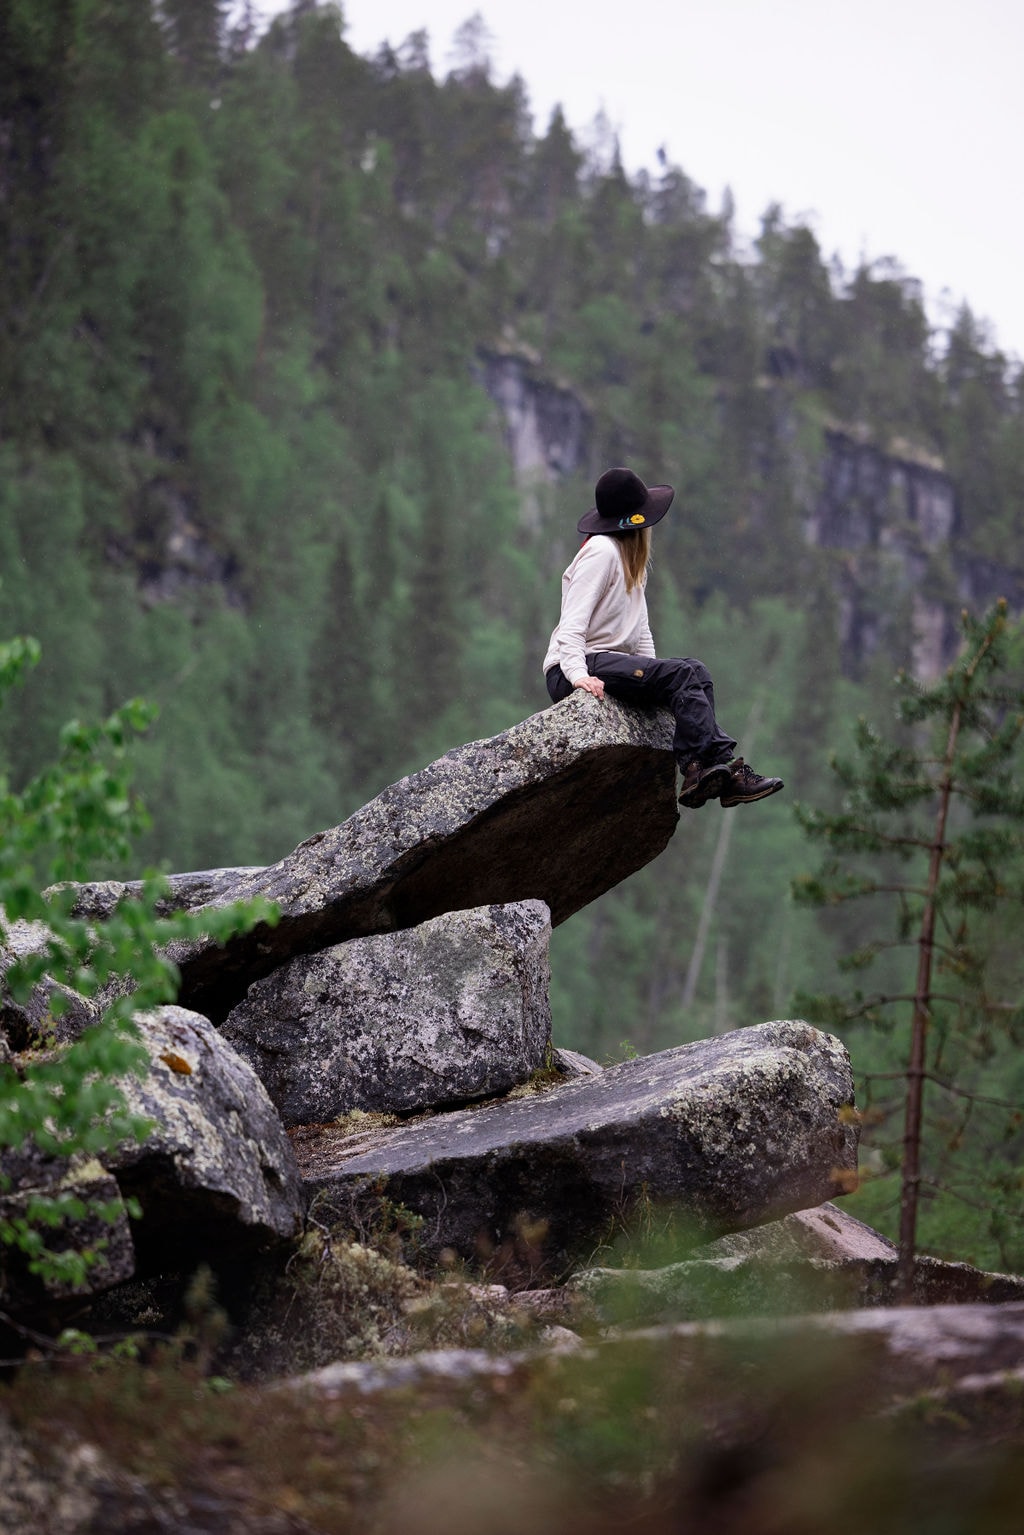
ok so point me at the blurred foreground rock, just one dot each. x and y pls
(813, 1260)
(905, 1420)
(948, 1352)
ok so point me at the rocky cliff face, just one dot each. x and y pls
(546, 428)
(889, 525)
(892, 522)
(172, 554)
(903, 558)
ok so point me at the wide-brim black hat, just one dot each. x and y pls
(625, 504)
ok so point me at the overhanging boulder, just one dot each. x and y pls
(732, 1131)
(454, 1009)
(559, 808)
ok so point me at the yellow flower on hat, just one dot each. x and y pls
(638, 517)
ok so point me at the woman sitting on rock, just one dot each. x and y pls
(603, 641)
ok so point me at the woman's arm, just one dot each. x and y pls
(586, 586)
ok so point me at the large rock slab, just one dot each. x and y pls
(216, 1176)
(733, 1131)
(559, 808)
(454, 1009)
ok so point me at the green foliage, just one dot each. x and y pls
(71, 819)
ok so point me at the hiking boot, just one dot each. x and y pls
(743, 785)
(702, 783)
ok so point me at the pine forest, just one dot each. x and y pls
(272, 315)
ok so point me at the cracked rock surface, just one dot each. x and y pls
(453, 1009)
(216, 1173)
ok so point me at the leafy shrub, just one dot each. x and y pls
(62, 1100)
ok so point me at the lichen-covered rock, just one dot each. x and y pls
(98, 899)
(559, 808)
(86, 1190)
(732, 1131)
(53, 1014)
(216, 1174)
(36, 1021)
(454, 1009)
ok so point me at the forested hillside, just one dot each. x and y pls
(250, 468)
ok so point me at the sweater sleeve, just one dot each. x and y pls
(645, 639)
(586, 586)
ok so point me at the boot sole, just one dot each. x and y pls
(750, 799)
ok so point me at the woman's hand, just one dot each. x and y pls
(592, 685)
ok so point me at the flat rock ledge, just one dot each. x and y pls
(732, 1131)
(559, 808)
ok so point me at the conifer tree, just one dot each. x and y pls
(934, 823)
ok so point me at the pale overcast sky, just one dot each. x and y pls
(897, 125)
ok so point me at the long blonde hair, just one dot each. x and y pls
(635, 550)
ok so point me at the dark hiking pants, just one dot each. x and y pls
(682, 685)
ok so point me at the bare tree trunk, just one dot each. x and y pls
(910, 1182)
(780, 992)
(722, 984)
(707, 911)
(715, 876)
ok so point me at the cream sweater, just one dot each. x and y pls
(597, 611)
